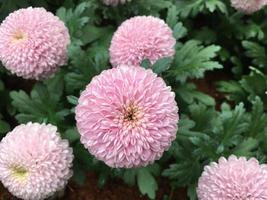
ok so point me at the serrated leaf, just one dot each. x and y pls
(189, 94)
(161, 65)
(193, 59)
(245, 148)
(256, 52)
(147, 183)
(179, 31)
(172, 16)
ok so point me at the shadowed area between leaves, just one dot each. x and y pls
(115, 190)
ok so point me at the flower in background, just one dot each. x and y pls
(34, 161)
(115, 2)
(233, 179)
(139, 38)
(248, 6)
(33, 43)
(127, 117)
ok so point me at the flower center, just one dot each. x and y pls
(131, 116)
(19, 172)
(19, 36)
(130, 113)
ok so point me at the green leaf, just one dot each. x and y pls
(172, 16)
(72, 99)
(233, 123)
(161, 65)
(233, 90)
(193, 59)
(212, 5)
(189, 94)
(258, 118)
(245, 148)
(256, 52)
(179, 31)
(72, 135)
(255, 84)
(129, 176)
(4, 127)
(147, 183)
(146, 64)
(73, 18)
(40, 106)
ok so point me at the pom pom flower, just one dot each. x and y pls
(139, 38)
(127, 117)
(33, 43)
(248, 6)
(233, 179)
(34, 161)
(115, 2)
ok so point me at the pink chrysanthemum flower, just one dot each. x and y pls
(127, 117)
(248, 6)
(233, 179)
(33, 43)
(34, 161)
(139, 38)
(115, 2)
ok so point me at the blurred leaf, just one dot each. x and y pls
(161, 65)
(147, 183)
(4, 127)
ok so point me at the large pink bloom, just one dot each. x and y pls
(139, 38)
(127, 117)
(34, 161)
(248, 6)
(114, 2)
(33, 43)
(233, 179)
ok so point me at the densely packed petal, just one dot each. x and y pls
(127, 117)
(139, 38)
(33, 43)
(248, 6)
(233, 179)
(34, 161)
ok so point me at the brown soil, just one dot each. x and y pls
(208, 85)
(115, 190)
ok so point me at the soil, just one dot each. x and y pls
(115, 190)
(208, 85)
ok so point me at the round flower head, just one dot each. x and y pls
(127, 117)
(139, 38)
(233, 179)
(248, 6)
(34, 161)
(33, 43)
(115, 2)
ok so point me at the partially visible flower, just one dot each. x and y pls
(127, 117)
(233, 179)
(248, 6)
(139, 38)
(33, 43)
(115, 2)
(34, 161)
